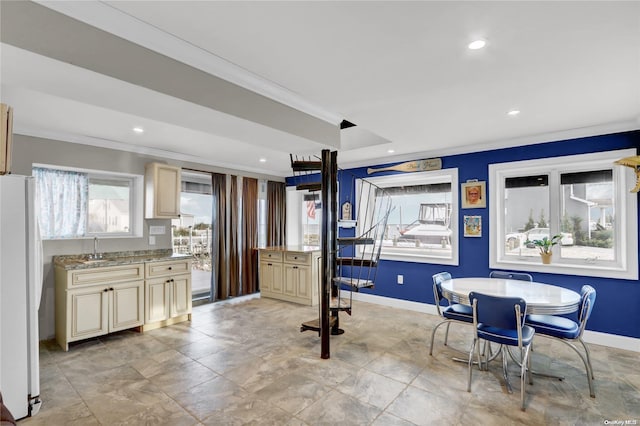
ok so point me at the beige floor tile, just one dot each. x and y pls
(248, 364)
(336, 408)
(372, 388)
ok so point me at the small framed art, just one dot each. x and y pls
(473, 226)
(473, 195)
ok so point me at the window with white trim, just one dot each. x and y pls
(423, 225)
(304, 217)
(79, 203)
(583, 198)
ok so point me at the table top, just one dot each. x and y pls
(541, 298)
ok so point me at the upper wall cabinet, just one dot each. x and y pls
(161, 191)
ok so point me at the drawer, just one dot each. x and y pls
(109, 274)
(298, 258)
(172, 267)
(273, 256)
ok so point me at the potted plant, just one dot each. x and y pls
(545, 245)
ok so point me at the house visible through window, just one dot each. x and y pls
(109, 206)
(86, 203)
(582, 198)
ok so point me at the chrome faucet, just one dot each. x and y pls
(95, 254)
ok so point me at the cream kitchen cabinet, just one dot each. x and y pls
(167, 293)
(290, 273)
(270, 273)
(96, 301)
(162, 191)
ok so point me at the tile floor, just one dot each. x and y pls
(247, 363)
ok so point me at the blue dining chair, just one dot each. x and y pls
(568, 331)
(501, 320)
(507, 275)
(449, 313)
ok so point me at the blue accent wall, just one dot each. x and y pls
(617, 308)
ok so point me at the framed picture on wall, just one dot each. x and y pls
(473, 195)
(473, 226)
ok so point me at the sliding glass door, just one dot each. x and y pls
(192, 231)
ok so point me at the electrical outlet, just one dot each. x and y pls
(152, 240)
(400, 279)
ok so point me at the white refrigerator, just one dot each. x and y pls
(20, 290)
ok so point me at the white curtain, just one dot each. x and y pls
(62, 198)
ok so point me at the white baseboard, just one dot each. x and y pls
(238, 299)
(594, 337)
(611, 340)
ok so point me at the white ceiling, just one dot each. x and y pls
(400, 70)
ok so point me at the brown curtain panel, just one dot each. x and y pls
(276, 214)
(234, 253)
(249, 242)
(219, 283)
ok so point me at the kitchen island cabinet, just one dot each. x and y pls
(290, 273)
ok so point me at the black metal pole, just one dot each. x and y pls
(325, 332)
(335, 288)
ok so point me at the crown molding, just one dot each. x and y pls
(582, 132)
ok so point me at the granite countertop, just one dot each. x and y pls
(82, 261)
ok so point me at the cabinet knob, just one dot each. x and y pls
(105, 290)
(111, 289)
(270, 264)
(169, 267)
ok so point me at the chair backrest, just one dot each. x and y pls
(588, 294)
(500, 312)
(437, 288)
(522, 276)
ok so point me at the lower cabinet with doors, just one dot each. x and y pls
(167, 293)
(96, 301)
(290, 273)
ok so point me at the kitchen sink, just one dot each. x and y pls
(91, 261)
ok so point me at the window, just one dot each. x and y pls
(87, 203)
(305, 209)
(584, 198)
(109, 209)
(422, 226)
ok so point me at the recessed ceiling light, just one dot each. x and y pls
(263, 160)
(138, 130)
(513, 112)
(391, 151)
(477, 44)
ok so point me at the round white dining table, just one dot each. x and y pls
(541, 298)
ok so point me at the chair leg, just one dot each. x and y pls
(473, 346)
(433, 334)
(523, 373)
(504, 369)
(587, 366)
(446, 333)
(586, 350)
(529, 373)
